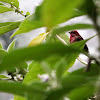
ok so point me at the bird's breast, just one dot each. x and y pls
(73, 39)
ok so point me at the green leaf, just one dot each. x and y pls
(39, 86)
(22, 68)
(1, 3)
(31, 22)
(5, 24)
(31, 65)
(3, 77)
(18, 89)
(27, 13)
(1, 47)
(19, 98)
(42, 51)
(71, 27)
(91, 9)
(11, 71)
(49, 63)
(10, 49)
(5, 9)
(55, 94)
(77, 13)
(61, 64)
(32, 75)
(8, 26)
(65, 63)
(37, 40)
(3, 53)
(65, 37)
(12, 2)
(55, 12)
(75, 80)
(36, 97)
(80, 77)
(38, 52)
(51, 39)
(23, 65)
(82, 93)
(11, 46)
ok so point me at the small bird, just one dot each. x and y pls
(75, 37)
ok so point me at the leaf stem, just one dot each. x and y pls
(60, 39)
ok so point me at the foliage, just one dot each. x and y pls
(47, 76)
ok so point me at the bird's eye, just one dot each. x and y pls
(73, 32)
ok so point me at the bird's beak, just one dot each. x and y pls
(69, 32)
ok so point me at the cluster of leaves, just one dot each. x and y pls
(51, 59)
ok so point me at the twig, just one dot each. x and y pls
(17, 10)
(84, 62)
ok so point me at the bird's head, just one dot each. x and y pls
(74, 33)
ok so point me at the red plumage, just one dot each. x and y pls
(75, 37)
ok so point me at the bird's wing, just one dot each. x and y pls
(78, 38)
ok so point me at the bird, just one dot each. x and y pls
(75, 37)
